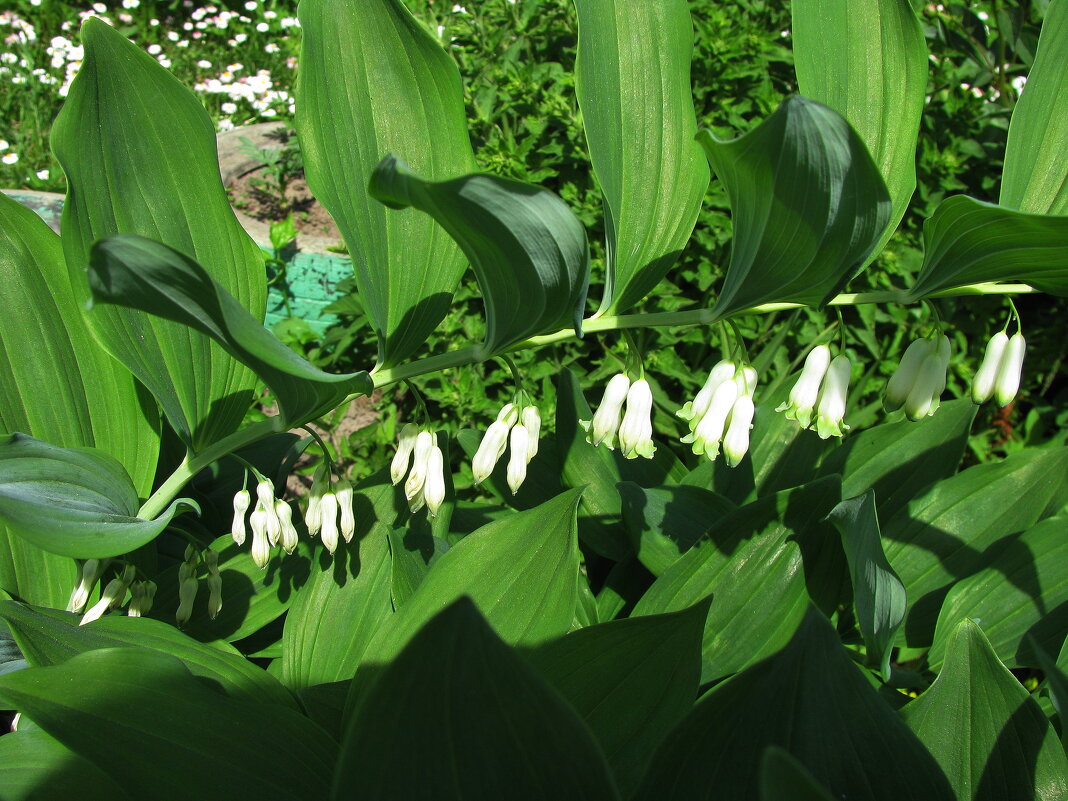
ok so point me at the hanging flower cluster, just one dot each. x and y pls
(271, 522)
(722, 413)
(821, 391)
(189, 584)
(920, 379)
(114, 593)
(329, 514)
(426, 480)
(517, 427)
(999, 374)
(631, 401)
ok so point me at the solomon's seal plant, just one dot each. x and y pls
(817, 613)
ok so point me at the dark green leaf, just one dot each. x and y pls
(783, 778)
(808, 206)
(987, 733)
(374, 81)
(35, 767)
(630, 680)
(810, 700)
(632, 77)
(139, 273)
(527, 248)
(459, 715)
(878, 594)
(76, 502)
(1057, 681)
(143, 719)
(967, 241)
(138, 150)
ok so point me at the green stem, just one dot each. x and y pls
(170, 488)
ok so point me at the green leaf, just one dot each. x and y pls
(810, 700)
(480, 722)
(751, 564)
(76, 502)
(374, 81)
(987, 733)
(807, 202)
(783, 778)
(143, 719)
(942, 535)
(413, 554)
(138, 150)
(1035, 178)
(1019, 598)
(878, 594)
(1057, 681)
(630, 680)
(867, 60)
(967, 241)
(665, 522)
(49, 637)
(898, 460)
(632, 78)
(338, 612)
(139, 273)
(520, 571)
(65, 389)
(527, 248)
(35, 766)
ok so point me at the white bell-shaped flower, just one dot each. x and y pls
(1010, 370)
(517, 463)
(434, 486)
(806, 392)
(902, 381)
(736, 440)
(112, 596)
(343, 493)
(930, 381)
(398, 468)
(288, 537)
(142, 593)
(329, 531)
(490, 450)
(413, 487)
(242, 499)
(187, 593)
(265, 501)
(261, 546)
(694, 410)
(832, 399)
(986, 375)
(709, 431)
(89, 575)
(530, 417)
(602, 429)
(746, 379)
(636, 430)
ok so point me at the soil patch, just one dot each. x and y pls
(310, 218)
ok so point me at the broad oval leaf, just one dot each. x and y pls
(50, 637)
(1035, 178)
(807, 202)
(783, 778)
(632, 79)
(967, 241)
(36, 766)
(751, 562)
(460, 716)
(146, 721)
(810, 700)
(138, 150)
(867, 60)
(630, 680)
(1022, 597)
(372, 81)
(987, 733)
(878, 594)
(138, 273)
(521, 571)
(76, 502)
(527, 248)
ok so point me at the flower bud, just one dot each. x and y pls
(490, 450)
(242, 499)
(187, 593)
(141, 595)
(531, 419)
(261, 547)
(112, 596)
(89, 575)
(736, 440)
(901, 382)
(983, 383)
(413, 487)
(806, 391)
(211, 560)
(922, 399)
(832, 402)
(517, 462)
(1007, 383)
(328, 533)
(694, 411)
(265, 501)
(434, 486)
(636, 430)
(405, 445)
(343, 493)
(709, 430)
(288, 537)
(605, 423)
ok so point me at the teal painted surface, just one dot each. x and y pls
(311, 278)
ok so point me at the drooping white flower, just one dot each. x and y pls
(434, 486)
(694, 410)
(265, 501)
(329, 532)
(89, 575)
(288, 537)
(983, 383)
(517, 462)
(603, 427)
(187, 592)
(343, 493)
(736, 440)
(530, 417)
(930, 381)
(405, 445)
(320, 484)
(901, 382)
(1010, 370)
(112, 596)
(261, 546)
(215, 602)
(636, 430)
(242, 499)
(413, 487)
(142, 594)
(806, 392)
(709, 430)
(832, 400)
(490, 450)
